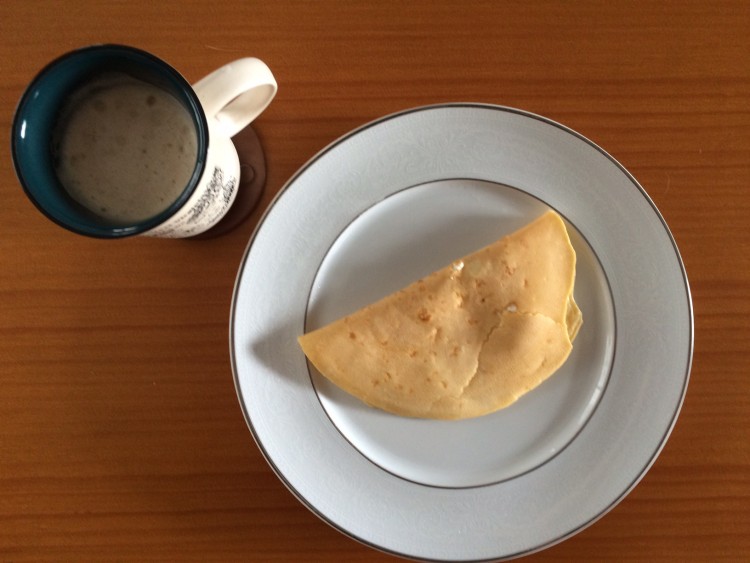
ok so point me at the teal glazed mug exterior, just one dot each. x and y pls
(95, 83)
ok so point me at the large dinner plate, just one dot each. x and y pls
(391, 202)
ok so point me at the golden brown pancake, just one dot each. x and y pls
(466, 340)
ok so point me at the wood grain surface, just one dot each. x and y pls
(121, 436)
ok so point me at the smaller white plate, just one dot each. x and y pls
(402, 197)
(407, 236)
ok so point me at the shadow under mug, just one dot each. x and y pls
(220, 105)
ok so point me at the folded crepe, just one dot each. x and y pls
(466, 340)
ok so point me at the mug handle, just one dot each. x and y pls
(236, 93)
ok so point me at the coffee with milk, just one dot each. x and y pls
(124, 149)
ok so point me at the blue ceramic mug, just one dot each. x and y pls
(110, 141)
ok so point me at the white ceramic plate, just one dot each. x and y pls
(404, 196)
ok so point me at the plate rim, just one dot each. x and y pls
(482, 106)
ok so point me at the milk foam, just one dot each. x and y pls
(125, 149)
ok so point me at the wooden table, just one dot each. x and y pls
(120, 431)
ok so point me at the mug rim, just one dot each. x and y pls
(112, 231)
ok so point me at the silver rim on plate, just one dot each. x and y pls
(355, 178)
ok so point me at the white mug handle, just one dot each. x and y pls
(236, 93)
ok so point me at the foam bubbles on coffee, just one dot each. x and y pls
(125, 149)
